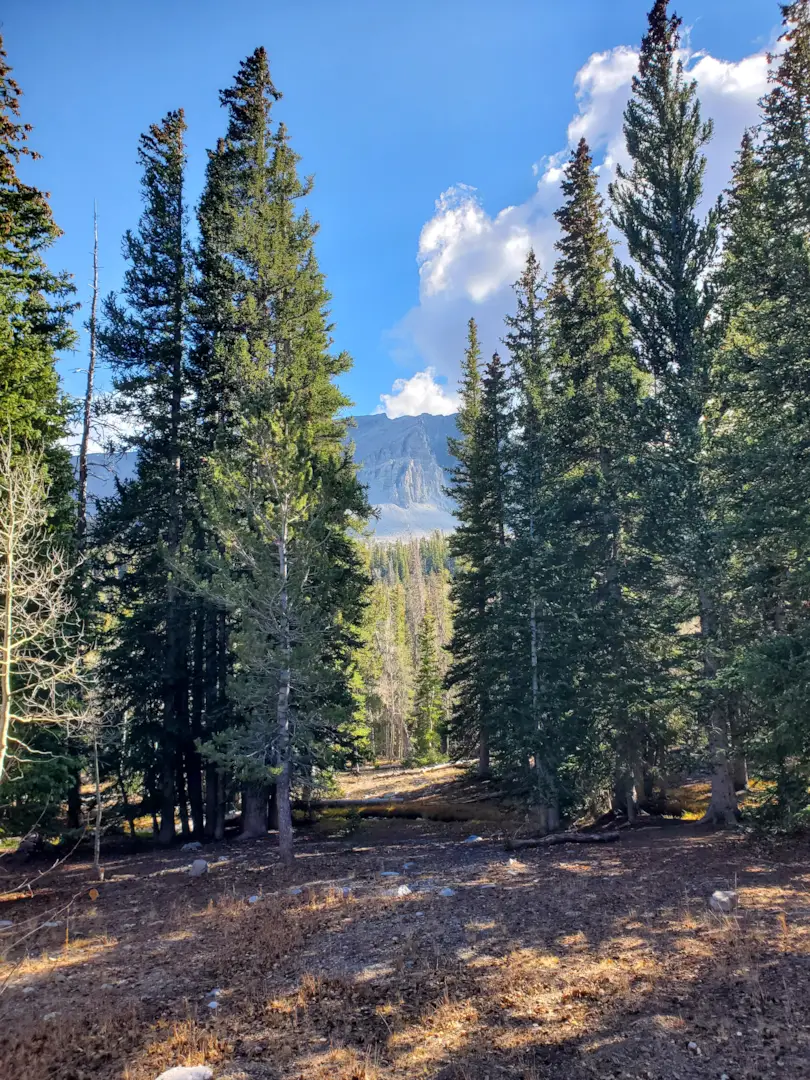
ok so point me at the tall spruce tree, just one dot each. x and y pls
(531, 632)
(597, 409)
(764, 419)
(669, 299)
(144, 337)
(283, 488)
(469, 544)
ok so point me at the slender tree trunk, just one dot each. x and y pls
(6, 656)
(74, 795)
(483, 752)
(182, 798)
(211, 799)
(219, 820)
(97, 836)
(193, 759)
(284, 781)
(81, 508)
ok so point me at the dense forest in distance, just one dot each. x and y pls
(626, 594)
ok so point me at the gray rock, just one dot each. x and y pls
(5, 924)
(389, 873)
(295, 891)
(253, 899)
(195, 845)
(447, 891)
(403, 890)
(187, 1072)
(199, 867)
(473, 839)
(723, 901)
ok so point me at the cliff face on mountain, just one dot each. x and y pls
(404, 463)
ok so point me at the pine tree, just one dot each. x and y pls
(144, 338)
(35, 305)
(597, 406)
(283, 488)
(669, 303)
(763, 418)
(427, 713)
(530, 646)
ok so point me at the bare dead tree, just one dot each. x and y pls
(81, 517)
(41, 662)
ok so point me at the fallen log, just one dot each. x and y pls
(563, 838)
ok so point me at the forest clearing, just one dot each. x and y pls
(576, 962)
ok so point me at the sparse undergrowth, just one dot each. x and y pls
(575, 964)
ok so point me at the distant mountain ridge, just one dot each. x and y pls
(404, 463)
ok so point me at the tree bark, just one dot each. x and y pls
(81, 507)
(284, 780)
(167, 795)
(483, 753)
(254, 812)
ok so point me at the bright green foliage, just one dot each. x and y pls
(427, 714)
(35, 304)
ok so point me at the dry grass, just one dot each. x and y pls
(595, 963)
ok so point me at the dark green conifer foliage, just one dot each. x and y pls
(144, 338)
(764, 423)
(283, 487)
(669, 300)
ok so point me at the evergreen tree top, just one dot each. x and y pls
(662, 39)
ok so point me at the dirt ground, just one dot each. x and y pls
(568, 963)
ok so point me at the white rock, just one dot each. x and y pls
(50, 1016)
(187, 1072)
(253, 899)
(473, 839)
(419, 914)
(723, 901)
(446, 891)
(28, 990)
(389, 873)
(199, 867)
(403, 890)
(195, 845)
(213, 1004)
(5, 924)
(693, 1046)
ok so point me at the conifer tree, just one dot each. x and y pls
(669, 302)
(427, 714)
(763, 431)
(35, 304)
(284, 491)
(144, 338)
(598, 423)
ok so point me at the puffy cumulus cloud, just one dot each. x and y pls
(469, 259)
(419, 394)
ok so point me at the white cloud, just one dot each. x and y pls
(419, 394)
(468, 259)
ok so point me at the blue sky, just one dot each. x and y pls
(392, 106)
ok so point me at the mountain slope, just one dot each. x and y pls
(403, 462)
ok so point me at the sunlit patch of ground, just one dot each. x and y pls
(570, 964)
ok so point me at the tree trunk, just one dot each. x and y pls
(74, 799)
(722, 809)
(739, 770)
(284, 781)
(483, 753)
(211, 799)
(254, 812)
(166, 832)
(97, 832)
(272, 809)
(182, 800)
(219, 820)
